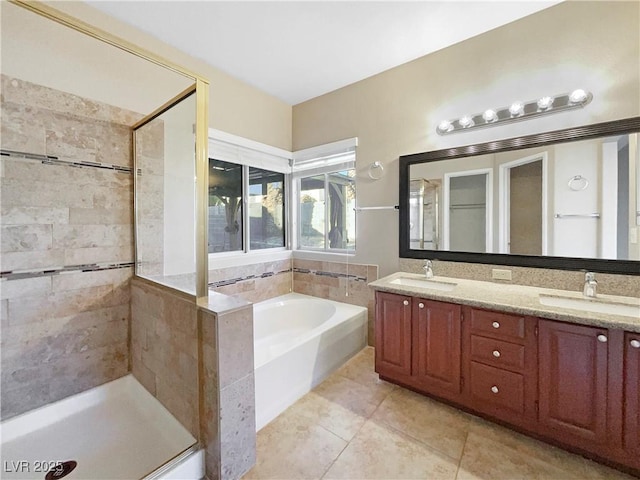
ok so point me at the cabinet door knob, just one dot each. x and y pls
(421, 305)
(495, 324)
(602, 338)
(494, 389)
(405, 303)
(496, 353)
(635, 343)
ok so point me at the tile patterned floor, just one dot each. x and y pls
(355, 426)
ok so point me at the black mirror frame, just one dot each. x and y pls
(617, 127)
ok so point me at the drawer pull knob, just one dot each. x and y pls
(602, 338)
(635, 343)
(494, 389)
(495, 324)
(496, 353)
(405, 303)
(421, 305)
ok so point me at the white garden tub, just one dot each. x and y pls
(115, 431)
(298, 341)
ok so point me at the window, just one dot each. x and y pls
(326, 197)
(225, 206)
(266, 209)
(265, 215)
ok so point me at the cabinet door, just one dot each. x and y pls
(632, 394)
(393, 335)
(573, 383)
(436, 346)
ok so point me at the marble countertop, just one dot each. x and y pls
(515, 299)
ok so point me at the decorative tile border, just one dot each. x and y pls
(52, 160)
(91, 267)
(233, 281)
(322, 273)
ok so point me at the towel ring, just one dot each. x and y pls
(578, 183)
(376, 171)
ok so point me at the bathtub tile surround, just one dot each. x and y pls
(67, 246)
(401, 439)
(255, 282)
(164, 349)
(610, 284)
(333, 280)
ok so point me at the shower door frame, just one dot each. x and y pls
(201, 89)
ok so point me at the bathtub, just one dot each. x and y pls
(298, 341)
(115, 431)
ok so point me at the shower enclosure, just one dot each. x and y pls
(104, 162)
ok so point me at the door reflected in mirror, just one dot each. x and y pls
(574, 199)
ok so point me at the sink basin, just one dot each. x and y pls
(592, 305)
(424, 283)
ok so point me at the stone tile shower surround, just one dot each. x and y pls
(67, 244)
(611, 284)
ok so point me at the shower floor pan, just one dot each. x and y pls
(114, 431)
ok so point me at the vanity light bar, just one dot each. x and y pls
(517, 111)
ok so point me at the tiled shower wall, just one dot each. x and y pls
(164, 349)
(67, 247)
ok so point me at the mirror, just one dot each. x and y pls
(567, 199)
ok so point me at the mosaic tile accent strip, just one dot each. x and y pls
(322, 273)
(233, 281)
(92, 267)
(53, 160)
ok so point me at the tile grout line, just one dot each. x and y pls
(341, 451)
(466, 438)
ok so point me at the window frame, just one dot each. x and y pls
(322, 160)
(327, 215)
(250, 154)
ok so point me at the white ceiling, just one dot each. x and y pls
(297, 50)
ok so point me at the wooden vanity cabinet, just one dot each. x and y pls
(500, 365)
(573, 380)
(437, 347)
(573, 384)
(631, 422)
(418, 343)
(393, 335)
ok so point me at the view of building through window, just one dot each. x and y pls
(265, 214)
(328, 226)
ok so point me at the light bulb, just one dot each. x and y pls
(578, 96)
(545, 103)
(490, 116)
(516, 109)
(466, 121)
(445, 126)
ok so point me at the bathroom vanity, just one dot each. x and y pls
(546, 362)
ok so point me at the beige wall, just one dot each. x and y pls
(591, 45)
(105, 74)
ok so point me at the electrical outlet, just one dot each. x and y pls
(499, 274)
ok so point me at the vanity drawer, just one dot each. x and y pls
(497, 389)
(497, 353)
(497, 325)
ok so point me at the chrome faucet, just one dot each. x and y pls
(428, 269)
(590, 285)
